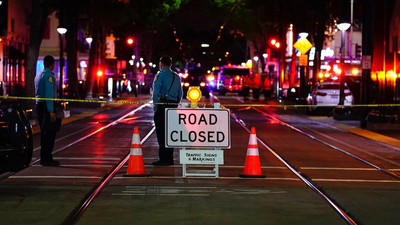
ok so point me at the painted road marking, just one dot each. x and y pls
(79, 165)
(159, 194)
(225, 178)
(54, 177)
(85, 158)
(337, 168)
(356, 180)
(190, 191)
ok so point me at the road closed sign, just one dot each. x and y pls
(206, 127)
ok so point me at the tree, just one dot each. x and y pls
(139, 17)
(38, 19)
(70, 15)
(260, 19)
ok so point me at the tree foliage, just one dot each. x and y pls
(253, 20)
(259, 20)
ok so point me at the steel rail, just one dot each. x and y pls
(9, 174)
(308, 182)
(392, 174)
(87, 200)
(95, 132)
(69, 135)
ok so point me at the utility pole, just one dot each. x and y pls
(351, 31)
(367, 50)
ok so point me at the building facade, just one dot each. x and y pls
(14, 40)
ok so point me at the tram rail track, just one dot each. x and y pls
(343, 213)
(96, 189)
(388, 172)
(6, 175)
(74, 216)
(338, 209)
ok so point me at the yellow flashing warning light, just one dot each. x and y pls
(194, 94)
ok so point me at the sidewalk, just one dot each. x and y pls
(390, 137)
(383, 132)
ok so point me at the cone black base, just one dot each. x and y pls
(252, 176)
(136, 175)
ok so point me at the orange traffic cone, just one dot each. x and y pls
(252, 167)
(136, 164)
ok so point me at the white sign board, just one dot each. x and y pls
(110, 46)
(206, 127)
(366, 62)
(201, 157)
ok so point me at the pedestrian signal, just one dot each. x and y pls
(358, 51)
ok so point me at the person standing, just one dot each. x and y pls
(167, 93)
(267, 87)
(46, 87)
(246, 87)
(256, 84)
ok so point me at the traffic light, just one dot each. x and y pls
(99, 73)
(275, 43)
(130, 41)
(358, 51)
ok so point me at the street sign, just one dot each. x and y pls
(303, 60)
(366, 62)
(201, 157)
(303, 45)
(199, 127)
(110, 47)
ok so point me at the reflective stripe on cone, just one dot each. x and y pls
(136, 164)
(252, 166)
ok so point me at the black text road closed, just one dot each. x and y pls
(197, 128)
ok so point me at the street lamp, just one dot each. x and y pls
(61, 30)
(342, 27)
(89, 40)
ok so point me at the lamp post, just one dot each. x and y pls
(89, 40)
(342, 27)
(61, 30)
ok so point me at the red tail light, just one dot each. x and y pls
(347, 93)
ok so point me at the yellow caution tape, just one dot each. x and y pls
(225, 105)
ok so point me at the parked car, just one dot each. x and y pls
(196, 77)
(16, 139)
(327, 94)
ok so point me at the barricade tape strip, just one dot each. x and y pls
(226, 105)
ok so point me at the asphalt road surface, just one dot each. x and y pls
(317, 171)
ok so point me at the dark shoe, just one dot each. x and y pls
(161, 163)
(50, 163)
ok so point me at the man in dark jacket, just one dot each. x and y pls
(167, 93)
